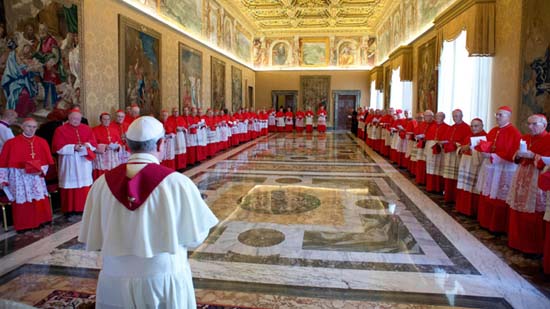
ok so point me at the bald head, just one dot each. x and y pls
(428, 116)
(9, 116)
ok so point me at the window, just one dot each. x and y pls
(464, 82)
(401, 92)
(376, 97)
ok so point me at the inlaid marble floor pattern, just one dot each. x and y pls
(310, 221)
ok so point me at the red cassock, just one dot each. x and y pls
(410, 126)
(170, 132)
(191, 140)
(434, 178)
(386, 122)
(21, 155)
(456, 134)
(129, 119)
(300, 118)
(526, 228)
(106, 135)
(466, 201)
(179, 122)
(309, 126)
(493, 213)
(546, 253)
(289, 126)
(421, 162)
(279, 115)
(321, 121)
(75, 171)
(368, 121)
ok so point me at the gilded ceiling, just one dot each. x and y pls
(310, 17)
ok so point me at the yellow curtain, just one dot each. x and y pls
(403, 57)
(477, 17)
(377, 74)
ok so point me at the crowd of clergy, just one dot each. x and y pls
(66, 155)
(502, 177)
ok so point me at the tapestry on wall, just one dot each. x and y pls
(42, 39)
(190, 76)
(315, 92)
(236, 88)
(217, 83)
(535, 81)
(427, 77)
(139, 65)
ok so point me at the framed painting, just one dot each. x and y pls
(314, 51)
(427, 77)
(190, 76)
(139, 66)
(217, 83)
(236, 88)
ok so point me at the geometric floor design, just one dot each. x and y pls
(316, 221)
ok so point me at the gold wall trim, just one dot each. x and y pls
(477, 17)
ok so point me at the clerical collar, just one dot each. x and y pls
(143, 158)
(25, 135)
(504, 126)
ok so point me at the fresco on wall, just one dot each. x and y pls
(228, 34)
(280, 54)
(243, 47)
(315, 92)
(187, 13)
(190, 76)
(140, 63)
(315, 52)
(427, 77)
(236, 88)
(213, 23)
(428, 9)
(405, 22)
(347, 52)
(535, 83)
(217, 83)
(40, 38)
(259, 52)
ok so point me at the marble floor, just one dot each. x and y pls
(308, 221)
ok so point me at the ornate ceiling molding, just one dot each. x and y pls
(308, 17)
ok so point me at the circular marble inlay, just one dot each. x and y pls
(280, 202)
(288, 180)
(372, 204)
(261, 237)
(299, 158)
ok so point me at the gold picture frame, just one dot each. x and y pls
(139, 66)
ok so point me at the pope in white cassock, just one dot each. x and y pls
(143, 216)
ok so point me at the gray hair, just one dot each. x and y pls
(143, 147)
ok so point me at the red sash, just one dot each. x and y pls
(133, 192)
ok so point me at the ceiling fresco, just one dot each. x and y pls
(309, 17)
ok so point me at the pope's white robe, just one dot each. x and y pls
(144, 251)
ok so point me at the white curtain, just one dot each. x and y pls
(464, 82)
(376, 97)
(401, 92)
